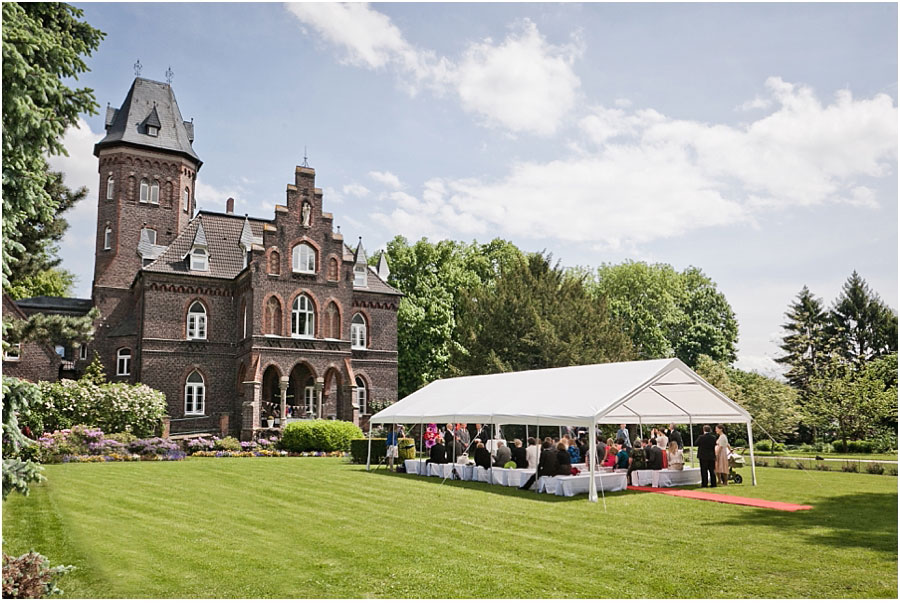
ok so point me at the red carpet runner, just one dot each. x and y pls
(725, 498)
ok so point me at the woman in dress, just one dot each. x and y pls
(722, 455)
(674, 456)
(661, 439)
(611, 451)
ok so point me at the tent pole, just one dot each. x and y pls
(592, 489)
(369, 455)
(641, 429)
(752, 460)
(693, 452)
(422, 439)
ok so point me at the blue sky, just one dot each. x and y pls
(756, 141)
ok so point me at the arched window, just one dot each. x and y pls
(123, 362)
(304, 258)
(273, 317)
(154, 192)
(275, 263)
(194, 394)
(332, 324)
(196, 321)
(303, 317)
(333, 269)
(107, 238)
(151, 234)
(110, 188)
(199, 259)
(145, 191)
(358, 332)
(186, 199)
(361, 396)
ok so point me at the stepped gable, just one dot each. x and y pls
(223, 239)
(149, 103)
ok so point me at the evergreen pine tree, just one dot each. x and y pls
(862, 325)
(805, 341)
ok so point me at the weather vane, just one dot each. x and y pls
(305, 159)
(169, 75)
(137, 68)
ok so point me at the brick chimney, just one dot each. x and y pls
(229, 205)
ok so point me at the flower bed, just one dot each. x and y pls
(262, 452)
(83, 444)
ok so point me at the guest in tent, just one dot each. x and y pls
(533, 453)
(622, 456)
(450, 443)
(503, 454)
(564, 460)
(482, 456)
(609, 458)
(675, 456)
(518, 454)
(722, 450)
(462, 439)
(438, 454)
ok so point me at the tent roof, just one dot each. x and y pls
(647, 391)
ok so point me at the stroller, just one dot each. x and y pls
(735, 460)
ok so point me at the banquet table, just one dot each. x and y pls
(570, 485)
(415, 466)
(666, 478)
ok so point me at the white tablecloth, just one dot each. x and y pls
(571, 485)
(517, 477)
(666, 478)
(480, 474)
(547, 484)
(414, 466)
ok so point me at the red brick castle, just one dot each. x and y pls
(236, 319)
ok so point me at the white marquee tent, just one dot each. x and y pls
(646, 391)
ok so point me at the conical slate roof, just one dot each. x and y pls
(149, 103)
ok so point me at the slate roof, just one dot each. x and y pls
(376, 285)
(222, 233)
(149, 102)
(55, 305)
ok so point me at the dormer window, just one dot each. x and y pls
(360, 276)
(199, 259)
(151, 235)
(152, 131)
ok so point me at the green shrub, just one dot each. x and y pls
(764, 446)
(778, 447)
(858, 446)
(782, 464)
(110, 407)
(875, 468)
(359, 450)
(319, 436)
(228, 443)
(740, 443)
(30, 576)
(892, 470)
(407, 448)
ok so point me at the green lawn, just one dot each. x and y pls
(310, 527)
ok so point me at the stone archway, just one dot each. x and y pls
(332, 396)
(301, 395)
(270, 400)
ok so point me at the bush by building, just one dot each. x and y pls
(319, 435)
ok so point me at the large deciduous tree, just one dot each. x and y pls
(535, 315)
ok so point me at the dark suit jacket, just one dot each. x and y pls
(565, 462)
(674, 434)
(548, 463)
(483, 458)
(706, 447)
(654, 457)
(518, 455)
(438, 454)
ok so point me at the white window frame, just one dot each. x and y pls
(151, 234)
(246, 316)
(144, 191)
(13, 353)
(83, 352)
(361, 395)
(154, 192)
(152, 131)
(299, 263)
(309, 399)
(196, 321)
(194, 395)
(309, 311)
(186, 198)
(360, 276)
(123, 362)
(358, 332)
(199, 259)
(107, 239)
(110, 188)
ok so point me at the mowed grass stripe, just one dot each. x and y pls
(320, 527)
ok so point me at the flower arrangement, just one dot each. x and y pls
(431, 434)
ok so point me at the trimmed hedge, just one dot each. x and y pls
(359, 449)
(864, 446)
(319, 436)
(407, 448)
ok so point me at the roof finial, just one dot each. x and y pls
(305, 158)
(137, 68)
(169, 75)
(339, 229)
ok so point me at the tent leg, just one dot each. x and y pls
(592, 488)
(421, 439)
(641, 430)
(369, 455)
(752, 460)
(693, 455)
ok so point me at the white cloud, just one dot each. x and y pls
(355, 190)
(213, 198)
(641, 175)
(523, 84)
(763, 365)
(387, 179)
(757, 103)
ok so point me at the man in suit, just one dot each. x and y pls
(449, 443)
(438, 452)
(622, 434)
(706, 454)
(462, 439)
(654, 456)
(503, 454)
(674, 434)
(548, 464)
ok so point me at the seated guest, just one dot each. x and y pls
(584, 449)
(574, 452)
(518, 454)
(675, 456)
(549, 462)
(482, 456)
(564, 460)
(638, 459)
(533, 453)
(609, 458)
(654, 456)
(622, 457)
(503, 454)
(438, 452)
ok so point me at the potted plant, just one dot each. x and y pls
(270, 421)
